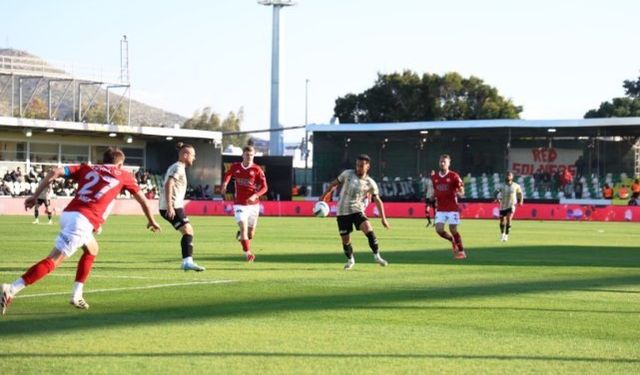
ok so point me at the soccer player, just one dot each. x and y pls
(430, 203)
(447, 186)
(44, 198)
(98, 186)
(171, 203)
(251, 184)
(356, 185)
(508, 195)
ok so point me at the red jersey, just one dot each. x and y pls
(98, 186)
(249, 180)
(445, 190)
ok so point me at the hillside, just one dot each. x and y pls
(141, 114)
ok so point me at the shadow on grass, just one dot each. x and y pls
(565, 256)
(134, 315)
(458, 309)
(408, 356)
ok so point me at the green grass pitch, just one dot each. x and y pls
(559, 297)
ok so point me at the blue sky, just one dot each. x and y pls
(555, 58)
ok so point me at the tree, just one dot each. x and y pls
(209, 120)
(37, 109)
(628, 106)
(406, 96)
(97, 114)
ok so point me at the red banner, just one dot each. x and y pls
(15, 206)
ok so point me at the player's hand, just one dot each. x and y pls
(153, 226)
(223, 192)
(29, 202)
(253, 199)
(171, 213)
(385, 223)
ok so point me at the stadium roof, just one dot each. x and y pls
(476, 124)
(18, 123)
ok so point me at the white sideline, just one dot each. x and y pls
(93, 276)
(131, 288)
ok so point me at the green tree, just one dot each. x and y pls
(97, 114)
(628, 106)
(206, 119)
(232, 123)
(37, 109)
(407, 96)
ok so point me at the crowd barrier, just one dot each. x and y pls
(530, 211)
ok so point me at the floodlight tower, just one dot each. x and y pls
(276, 143)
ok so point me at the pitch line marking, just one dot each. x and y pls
(157, 286)
(93, 276)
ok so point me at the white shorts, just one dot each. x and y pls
(448, 217)
(247, 213)
(75, 231)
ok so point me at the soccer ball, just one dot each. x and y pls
(321, 209)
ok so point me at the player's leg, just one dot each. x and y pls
(503, 223)
(186, 246)
(345, 227)
(32, 275)
(457, 239)
(441, 220)
(36, 212)
(253, 212)
(47, 210)
(509, 219)
(242, 218)
(367, 229)
(85, 264)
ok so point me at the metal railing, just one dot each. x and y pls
(35, 67)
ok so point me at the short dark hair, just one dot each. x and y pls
(248, 148)
(364, 157)
(446, 156)
(113, 155)
(181, 146)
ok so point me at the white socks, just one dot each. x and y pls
(17, 286)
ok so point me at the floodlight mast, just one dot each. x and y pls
(276, 142)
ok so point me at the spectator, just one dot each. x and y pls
(151, 194)
(578, 189)
(566, 180)
(635, 189)
(16, 175)
(546, 180)
(623, 192)
(607, 192)
(580, 166)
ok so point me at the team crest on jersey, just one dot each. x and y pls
(237, 171)
(251, 173)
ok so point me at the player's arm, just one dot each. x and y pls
(225, 182)
(496, 195)
(44, 183)
(168, 194)
(380, 205)
(460, 190)
(262, 182)
(520, 196)
(330, 189)
(151, 222)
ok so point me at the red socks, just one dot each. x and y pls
(458, 240)
(38, 271)
(446, 236)
(246, 244)
(84, 267)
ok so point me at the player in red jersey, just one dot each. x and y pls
(98, 186)
(447, 186)
(250, 184)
